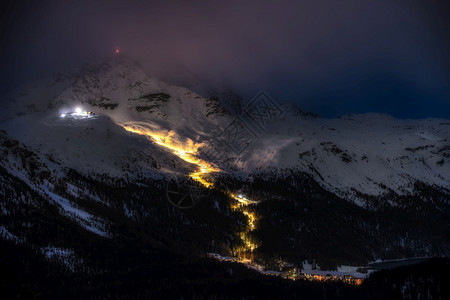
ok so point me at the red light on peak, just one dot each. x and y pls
(117, 51)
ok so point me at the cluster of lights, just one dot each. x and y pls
(329, 278)
(242, 199)
(78, 111)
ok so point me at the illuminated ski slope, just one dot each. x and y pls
(186, 149)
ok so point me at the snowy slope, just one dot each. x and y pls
(371, 154)
(32, 170)
(92, 146)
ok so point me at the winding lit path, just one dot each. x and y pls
(187, 150)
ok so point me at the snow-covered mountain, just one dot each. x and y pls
(369, 154)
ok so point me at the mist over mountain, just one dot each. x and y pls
(330, 58)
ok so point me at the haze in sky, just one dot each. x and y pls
(330, 57)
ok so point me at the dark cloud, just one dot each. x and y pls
(333, 57)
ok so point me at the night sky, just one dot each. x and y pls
(330, 57)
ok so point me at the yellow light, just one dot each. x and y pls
(358, 281)
(251, 219)
(241, 199)
(186, 150)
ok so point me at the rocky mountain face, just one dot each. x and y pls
(86, 193)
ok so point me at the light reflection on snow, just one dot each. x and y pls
(77, 113)
(185, 149)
